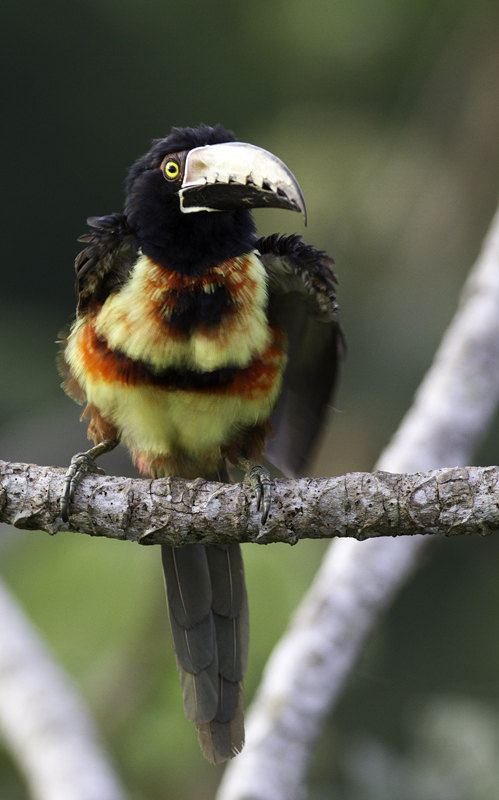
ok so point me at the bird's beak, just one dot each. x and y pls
(223, 177)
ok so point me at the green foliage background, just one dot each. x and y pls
(387, 111)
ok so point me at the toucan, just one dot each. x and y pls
(201, 347)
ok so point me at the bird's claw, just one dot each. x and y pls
(81, 465)
(259, 478)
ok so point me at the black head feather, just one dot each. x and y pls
(184, 242)
(180, 139)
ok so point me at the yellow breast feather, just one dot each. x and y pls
(136, 320)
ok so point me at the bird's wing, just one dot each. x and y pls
(105, 264)
(302, 301)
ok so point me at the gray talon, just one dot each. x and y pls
(259, 478)
(81, 465)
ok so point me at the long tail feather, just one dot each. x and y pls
(209, 620)
(221, 740)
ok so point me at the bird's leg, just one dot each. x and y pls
(81, 465)
(259, 478)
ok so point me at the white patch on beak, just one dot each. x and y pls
(242, 164)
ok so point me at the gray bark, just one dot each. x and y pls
(43, 721)
(177, 512)
(308, 669)
(306, 673)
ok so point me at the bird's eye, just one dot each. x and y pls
(171, 169)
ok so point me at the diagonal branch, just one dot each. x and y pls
(43, 720)
(177, 512)
(307, 671)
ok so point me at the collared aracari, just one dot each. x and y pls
(194, 343)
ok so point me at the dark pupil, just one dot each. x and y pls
(171, 168)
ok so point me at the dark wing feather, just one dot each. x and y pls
(105, 264)
(302, 301)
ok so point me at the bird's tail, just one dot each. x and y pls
(208, 610)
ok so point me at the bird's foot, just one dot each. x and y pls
(259, 478)
(82, 464)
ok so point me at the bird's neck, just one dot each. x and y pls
(193, 243)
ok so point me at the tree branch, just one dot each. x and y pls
(308, 668)
(177, 512)
(451, 411)
(43, 720)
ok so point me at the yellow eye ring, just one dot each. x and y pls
(171, 170)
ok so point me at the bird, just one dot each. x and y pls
(200, 347)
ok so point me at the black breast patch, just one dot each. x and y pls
(197, 308)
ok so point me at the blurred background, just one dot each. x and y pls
(387, 111)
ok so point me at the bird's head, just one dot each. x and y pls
(190, 196)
